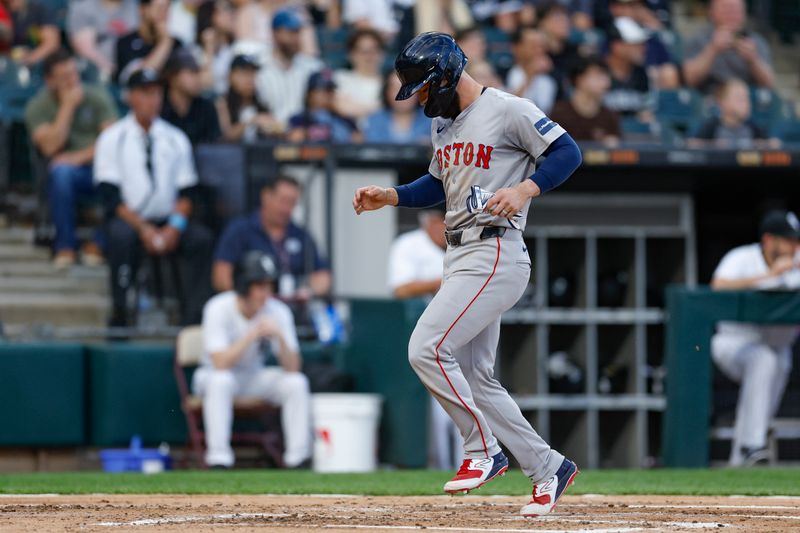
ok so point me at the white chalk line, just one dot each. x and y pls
(184, 519)
(683, 525)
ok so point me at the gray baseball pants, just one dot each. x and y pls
(453, 347)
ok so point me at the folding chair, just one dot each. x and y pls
(188, 351)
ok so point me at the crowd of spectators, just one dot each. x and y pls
(319, 71)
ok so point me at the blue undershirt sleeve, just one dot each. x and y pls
(426, 191)
(563, 158)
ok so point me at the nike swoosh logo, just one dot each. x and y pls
(439, 129)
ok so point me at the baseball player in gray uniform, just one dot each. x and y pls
(486, 145)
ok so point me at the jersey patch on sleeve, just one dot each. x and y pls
(544, 125)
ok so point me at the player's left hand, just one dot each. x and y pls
(508, 202)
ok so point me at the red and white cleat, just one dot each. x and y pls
(475, 473)
(546, 494)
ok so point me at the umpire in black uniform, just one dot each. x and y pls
(145, 174)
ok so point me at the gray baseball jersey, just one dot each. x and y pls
(493, 143)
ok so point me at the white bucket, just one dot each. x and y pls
(346, 432)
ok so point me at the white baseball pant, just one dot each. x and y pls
(762, 372)
(289, 390)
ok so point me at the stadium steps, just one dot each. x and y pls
(33, 294)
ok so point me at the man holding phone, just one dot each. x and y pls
(727, 49)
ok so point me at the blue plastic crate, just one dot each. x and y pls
(136, 459)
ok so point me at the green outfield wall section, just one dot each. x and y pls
(691, 318)
(42, 395)
(132, 390)
(378, 362)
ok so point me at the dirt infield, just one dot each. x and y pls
(107, 513)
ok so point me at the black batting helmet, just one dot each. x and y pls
(433, 58)
(253, 267)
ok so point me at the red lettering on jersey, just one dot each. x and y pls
(484, 156)
(469, 153)
(457, 147)
(447, 156)
(439, 158)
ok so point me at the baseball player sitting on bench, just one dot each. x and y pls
(758, 357)
(238, 326)
(486, 143)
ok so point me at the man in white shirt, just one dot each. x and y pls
(416, 265)
(284, 74)
(145, 176)
(758, 357)
(530, 76)
(238, 326)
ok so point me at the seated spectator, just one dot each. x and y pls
(64, 119)
(416, 267)
(630, 86)
(145, 174)
(303, 272)
(182, 20)
(215, 37)
(36, 34)
(484, 73)
(93, 27)
(659, 62)
(400, 121)
(758, 357)
(554, 22)
(732, 127)
(529, 77)
(241, 116)
(358, 91)
(284, 75)
(238, 327)
(376, 15)
(583, 114)
(502, 14)
(472, 42)
(253, 31)
(727, 49)
(150, 45)
(184, 107)
(319, 122)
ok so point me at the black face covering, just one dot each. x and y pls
(453, 109)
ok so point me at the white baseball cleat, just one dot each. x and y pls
(477, 472)
(546, 494)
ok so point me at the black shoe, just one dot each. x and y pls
(755, 456)
(304, 465)
(218, 467)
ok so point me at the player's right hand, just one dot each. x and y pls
(782, 264)
(372, 198)
(267, 327)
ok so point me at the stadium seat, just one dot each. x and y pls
(188, 351)
(768, 108)
(498, 50)
(635, 130)
(333, 46)
(789, 131)
(678, 109)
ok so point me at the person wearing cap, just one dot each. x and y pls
(319, 121)
(241, 115)
(184, 107)
(284, 75)
(630, 93)
(150, 45)
(145, 174)
(758, 357)
(241, 328)
(64, 119)
(659, 62)
(727, 49)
